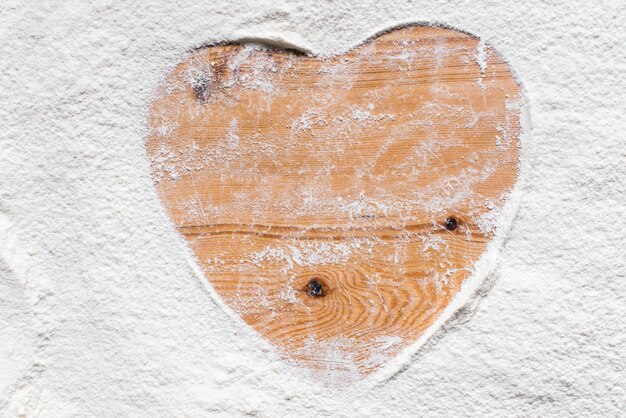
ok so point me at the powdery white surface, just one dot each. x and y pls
(101, 314)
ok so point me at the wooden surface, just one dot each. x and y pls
(338, 204)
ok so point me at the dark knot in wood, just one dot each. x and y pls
(200, 86)
(315, 288)
(451, 223)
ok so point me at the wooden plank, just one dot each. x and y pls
(338, 204)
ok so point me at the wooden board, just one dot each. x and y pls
(338, 204)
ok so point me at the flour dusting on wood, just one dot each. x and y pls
(281, 169)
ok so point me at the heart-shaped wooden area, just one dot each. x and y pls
(338, 204)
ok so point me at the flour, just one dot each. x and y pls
(103, 311)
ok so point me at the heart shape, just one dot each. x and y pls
(338, 204)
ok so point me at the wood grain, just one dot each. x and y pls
(350, 171)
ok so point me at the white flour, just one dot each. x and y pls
(101, 313)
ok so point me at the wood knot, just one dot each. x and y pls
(314, 288)
(451, 223)
(200, 86)
(207, 81)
